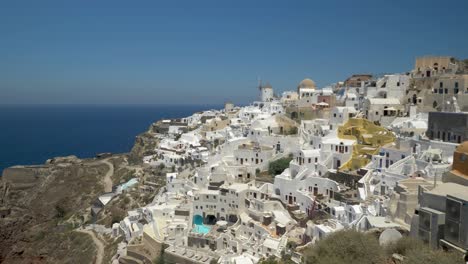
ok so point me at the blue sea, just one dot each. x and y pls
(32, 134)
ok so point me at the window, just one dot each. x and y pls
(441, 84)
(376, 113)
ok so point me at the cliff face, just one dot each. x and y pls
(41, 205)
(145, 143)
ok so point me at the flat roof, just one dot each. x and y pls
(452, 189)
(271, 243)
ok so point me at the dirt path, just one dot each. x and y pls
(99, 245)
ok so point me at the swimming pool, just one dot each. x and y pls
(200, 228)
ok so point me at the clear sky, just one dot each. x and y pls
(200, 52)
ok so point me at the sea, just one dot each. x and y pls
(31, 134)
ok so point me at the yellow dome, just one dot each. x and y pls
(463, 147)
(307, 83)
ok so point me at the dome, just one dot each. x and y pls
(389, 236)
(267, 85)
(307, 83)
(463, 147)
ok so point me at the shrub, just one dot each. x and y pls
(60, 211)
(404, 245)
(428, 256)
(292, 131)
(117, 214)
(345, 247)
(278, 166)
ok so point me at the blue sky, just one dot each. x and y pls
(205, 52)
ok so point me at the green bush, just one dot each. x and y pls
(404, 245)
(270, 260)
(346, 247)
(278, 166)
(356, 247)
(426, 255)
(117, 214)
(292, 131)
(60, 211)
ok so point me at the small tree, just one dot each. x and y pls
(278, 166)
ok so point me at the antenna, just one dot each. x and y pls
(259, 81)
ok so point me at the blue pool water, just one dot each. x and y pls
(200, 228)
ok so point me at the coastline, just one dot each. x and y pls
(32, 140)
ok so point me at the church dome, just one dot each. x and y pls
(307, 83)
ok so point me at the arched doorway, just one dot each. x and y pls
(294, 115)
(210, 219)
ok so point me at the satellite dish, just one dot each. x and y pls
(389, 236)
